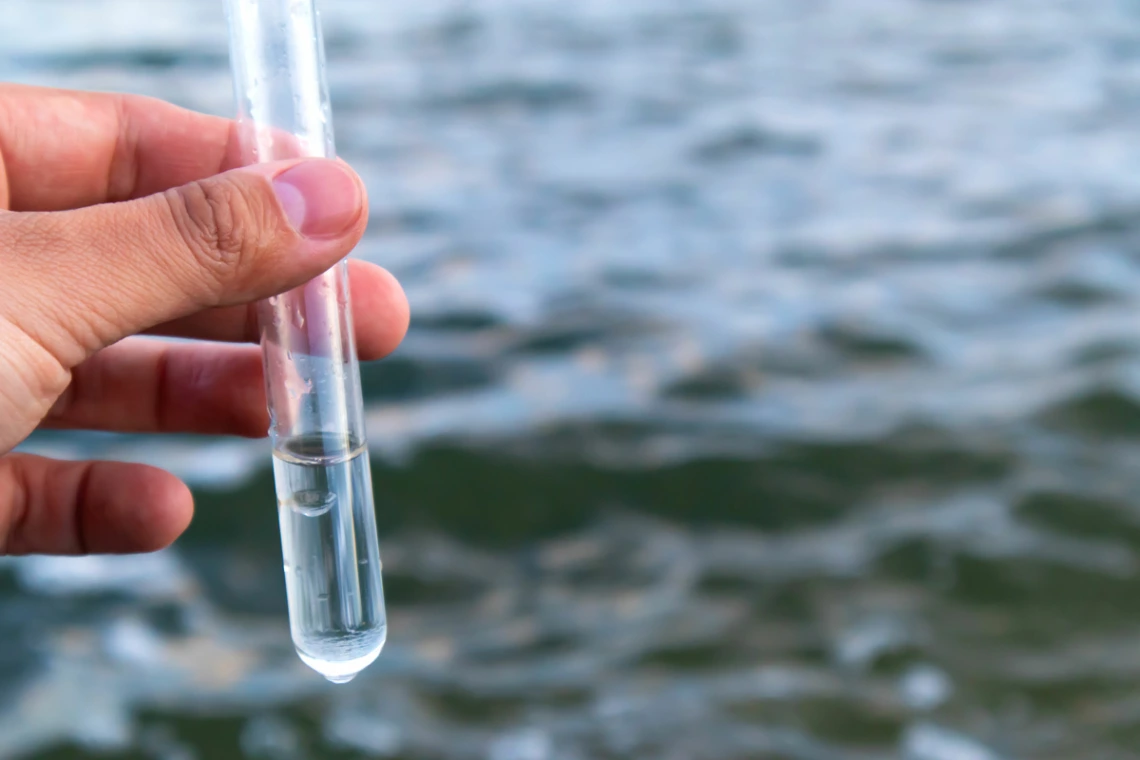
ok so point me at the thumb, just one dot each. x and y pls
(90, 277)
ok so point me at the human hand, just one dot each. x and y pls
(115, 221)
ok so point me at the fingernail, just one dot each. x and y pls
(321, 198)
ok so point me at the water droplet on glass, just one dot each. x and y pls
(312, 503)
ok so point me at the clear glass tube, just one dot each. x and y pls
(320, 458)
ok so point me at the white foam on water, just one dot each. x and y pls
(926, 741)
(160, 574)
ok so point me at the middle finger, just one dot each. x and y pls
(380, 316)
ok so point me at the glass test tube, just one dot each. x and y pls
(320, 457)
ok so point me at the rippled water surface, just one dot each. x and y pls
(773, 392)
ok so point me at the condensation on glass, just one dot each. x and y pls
(320, 458)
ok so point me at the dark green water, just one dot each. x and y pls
(773, 392)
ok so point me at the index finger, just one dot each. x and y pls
(62, 149)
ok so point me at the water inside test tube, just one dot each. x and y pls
(332, 561)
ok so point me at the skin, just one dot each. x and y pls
(122, 216)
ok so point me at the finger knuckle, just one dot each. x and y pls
(217, 222)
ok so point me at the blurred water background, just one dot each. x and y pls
(773, 392)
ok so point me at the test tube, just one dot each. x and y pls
(320, 457)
